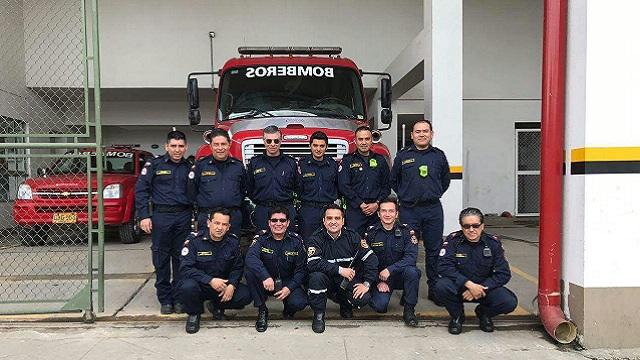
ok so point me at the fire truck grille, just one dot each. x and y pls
(336, 149)
(53, 209)
(58, 194)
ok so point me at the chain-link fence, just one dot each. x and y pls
(49, 196)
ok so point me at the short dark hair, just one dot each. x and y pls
(471, 211)
(333, 206)
(319, 135)
(390, 199)
(218, 132)
(176, 135)
(362, 128)
(425, 121)
(279, 210)
(271, 129)
(221, 211)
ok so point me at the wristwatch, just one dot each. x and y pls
(366, 283)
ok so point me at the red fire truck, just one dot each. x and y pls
(300, 90)
(59, 195)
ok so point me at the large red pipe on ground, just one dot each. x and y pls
(551, 174)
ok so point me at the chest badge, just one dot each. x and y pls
(373, 163)
(424, 170)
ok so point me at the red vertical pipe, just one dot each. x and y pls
(551, 176)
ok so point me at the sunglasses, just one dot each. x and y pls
(269, 141)
(279, 220)
(469, 226)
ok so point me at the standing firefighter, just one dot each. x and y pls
(420, 176)
(163, 180)
(219, 180)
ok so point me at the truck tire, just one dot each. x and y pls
(33, 235)
(130, 233)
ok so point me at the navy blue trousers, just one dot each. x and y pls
(169, 232)
(407, 280)
(322, 286)
(358, 221)
(293, 303)
(310, 220)
(194, 294)
(497, 301)
(428, 223)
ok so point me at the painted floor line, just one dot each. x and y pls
(524, 275)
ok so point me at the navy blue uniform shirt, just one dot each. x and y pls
(317, 180)
(204, 259)
(218, 183)
(482, 262)
(420, 175)
(364, 179)
(271, 182)
(278, 259)
(164, 182)
(395, 249)
(326, 255)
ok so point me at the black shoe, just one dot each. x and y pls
(318, 323)
(287, 315)
(455, 325)
(178, 308)
(262, 323)
(166, 309)
(193, 324)
(431, 296)
(409, 317)
(486, 324)
(218, 314)
(346, 312)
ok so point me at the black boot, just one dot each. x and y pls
(287, 315)
(455, 325)
(431, 296)
(486, 324)
(193, 324)
(318, 322)
(218, 314)
(178, 308)
(409, 317)
(262, 323)
(166, 309)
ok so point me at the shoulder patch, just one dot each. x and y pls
(414, 239)
(311, 251)
(364, 244)
(185, 251)
(192, 175)
(442, 252)
(144, 171)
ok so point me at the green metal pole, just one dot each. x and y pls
(98, 134)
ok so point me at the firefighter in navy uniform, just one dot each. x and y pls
(271, 179)
(396, 248)
(219, 180)
(276, 265)
(317, 183)
(472, 267)
(163, 180)
(364, 181)
(420, 175)
(341, 267)
(211, 268)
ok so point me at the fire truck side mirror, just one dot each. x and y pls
(194, 117)
(385, 93)
(386, 116)
(193, 94)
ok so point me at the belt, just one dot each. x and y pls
(427, 202)
(209, 209)
(171, 208)
(275, 203)
(316, 204)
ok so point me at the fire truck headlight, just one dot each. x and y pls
(24, 192)
(113, 191)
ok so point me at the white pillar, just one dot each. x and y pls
(443, 93)
(602, 201)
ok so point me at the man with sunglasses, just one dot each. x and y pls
(341, 267)
(276, 265)
(472, 267)
(271, 179)
(317, 183)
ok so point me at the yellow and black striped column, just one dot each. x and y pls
(605, 160)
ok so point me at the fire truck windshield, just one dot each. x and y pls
(291, 90)
(116, 162)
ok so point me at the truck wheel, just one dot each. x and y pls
(130, 233)
(33, 235)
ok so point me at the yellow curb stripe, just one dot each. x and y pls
(524, 275)
(605, 154)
